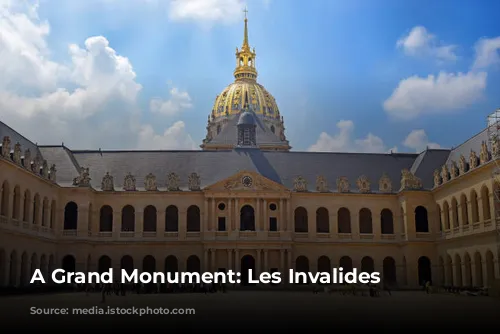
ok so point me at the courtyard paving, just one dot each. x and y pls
(284, 307)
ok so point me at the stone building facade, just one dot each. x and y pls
(246, 201)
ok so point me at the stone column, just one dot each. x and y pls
(474, 278)
(160, 223)
(355, 224)
(213, 217)
(213, 254)
(230, 259)
(288, 223)
(182, 224)
(139, 223)
(205, 260)
(486, 279)
(237, 260)
(266, 260)
(290, 264)
(334, 224)
(117, 223)
(205, 215)
(460, 217)
(258, 218)
(258, 264)
(282, 268)
(469, 213)
(281, 222)
(236, 226)
(443, 222)
(480, 212)
(83, 221)
(492, 209)
(229, 223)
(265, 222)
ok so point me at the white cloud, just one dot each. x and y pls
(444, 93)
(487, 52)
(225, 11)
(175, 137)
(90, 102)
(418, 140)
(343, 141)
(178, 102)
(419, 42)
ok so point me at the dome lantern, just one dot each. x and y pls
(245, 58)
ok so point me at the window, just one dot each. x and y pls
(273, 224)
(221, 224)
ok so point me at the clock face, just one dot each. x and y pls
(247, 181)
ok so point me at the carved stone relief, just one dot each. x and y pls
(107, 183)
(300, 184)
(321, 184)
(150, 182)
(363, 184)
(129, 182)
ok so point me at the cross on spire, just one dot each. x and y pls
(245, 11)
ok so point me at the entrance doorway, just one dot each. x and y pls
(247, 263)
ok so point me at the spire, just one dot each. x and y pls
(245, 46)
(245, 58)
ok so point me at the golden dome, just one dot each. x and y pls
(232, 99)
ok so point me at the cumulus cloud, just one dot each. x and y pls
(343, 141)
(178, 102)
(89, 102)
(487, 53)
(225, 11)
(444, 93)
(418, 141)
(419, 42)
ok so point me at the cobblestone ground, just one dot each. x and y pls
(285, 307)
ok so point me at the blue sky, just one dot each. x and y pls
(332, 66)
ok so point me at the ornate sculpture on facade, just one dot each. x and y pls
(462, 165)
(437, 178)
(300, 184)
(363, 184)
(472, 159)
(173, 182)
(83, 180)
(321, 184)
(17, 153)
(53, 173)
(129, 182)
(150, 182)
(194, 182)
(6, 147)
(343, 185)
(445, 174)
(27, 159)
(37, 163)
(495, 147)
(410, 181)
(453, 170)
(385, 184)
(45, 169)
(107, 183)
(484, 155)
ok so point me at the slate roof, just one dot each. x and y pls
(15, 137)
(473, 143)
(229, 133)
(213, 166)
